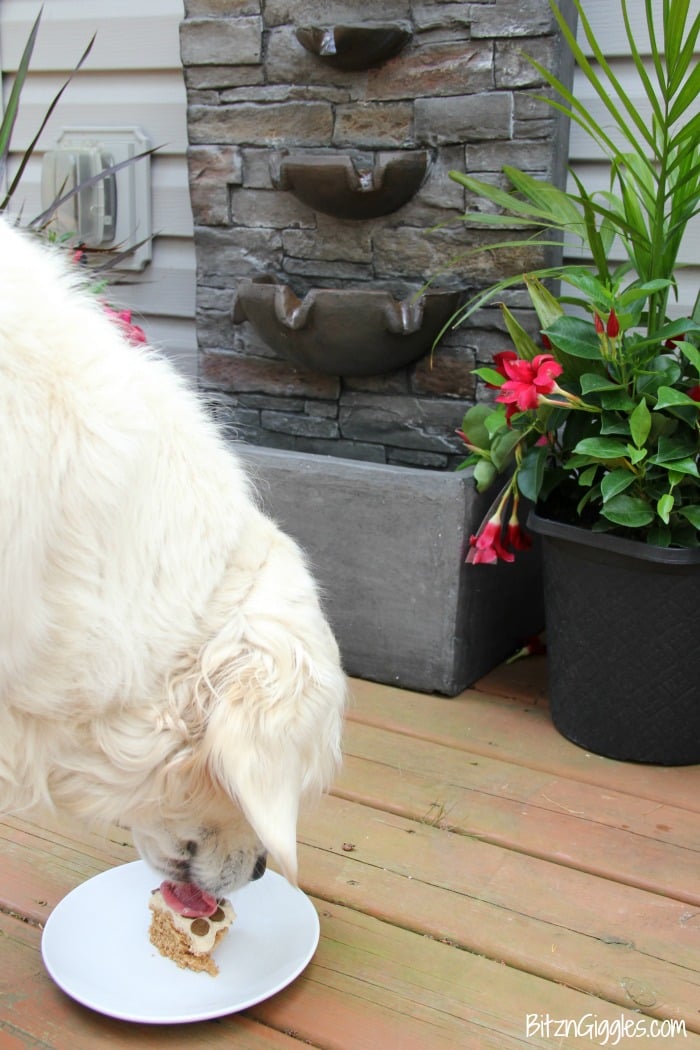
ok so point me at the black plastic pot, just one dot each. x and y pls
(623, 643)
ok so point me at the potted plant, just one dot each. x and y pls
(598, 424)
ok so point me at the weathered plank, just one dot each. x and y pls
(524, 679)
(41, 864)
(519, 733)
(625, 945)
(595, 829)
(415, 993)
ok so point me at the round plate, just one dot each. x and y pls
(95, 946)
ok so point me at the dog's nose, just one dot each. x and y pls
(260, 866)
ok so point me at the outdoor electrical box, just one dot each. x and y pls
(111, 212)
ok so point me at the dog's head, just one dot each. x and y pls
(262, 724)
(216, 849)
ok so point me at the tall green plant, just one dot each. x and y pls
(654, 166)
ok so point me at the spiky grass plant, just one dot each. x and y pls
(654, 158)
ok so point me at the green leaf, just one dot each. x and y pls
(473, 425)
(659, 535)
(612, 423)
(662, 371)
(628, 510)
(588, 496)
(484, 474)
(616, 400)
(497, 196)
(592, 383)
(587, 477)
(11, 113)
(602, 448)
(490, 375)
(552, 201)
(575, 336)
(525, 347)
(690, 352)
(664, 507)
(531, 472)
(691, 514)
(12, 105)
(674, 447)
(574, 462)
(591, 286)
(678, 328)
(636, 291)
(687, 96)
(667, 396)
(496, 421)
(502, 448)
(636, 455)
(681, 466)
(615, 482)
(640, 424)
(547, 307)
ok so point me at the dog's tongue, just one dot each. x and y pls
(188, 900)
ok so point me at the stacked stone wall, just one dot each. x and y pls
(462, 89)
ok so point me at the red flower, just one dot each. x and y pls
(528, 381)
(613, 325)
(467, 442)
(133, 332)
(694, 392)
(597, 321)
(499, 360)
(515, 537)
(485, 547)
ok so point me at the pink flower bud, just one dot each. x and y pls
(515, 537)
(485, 547)
(613, 325)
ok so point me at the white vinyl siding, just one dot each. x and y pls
(132, 76)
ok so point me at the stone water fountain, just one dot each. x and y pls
(321, 138)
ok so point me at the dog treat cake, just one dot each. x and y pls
(187, 925)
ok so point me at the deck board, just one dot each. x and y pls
(636, 841)
(521, 733)
(622, 944)
(470, 868)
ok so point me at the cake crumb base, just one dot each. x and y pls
(173, 944)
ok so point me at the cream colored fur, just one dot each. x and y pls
(164, 661)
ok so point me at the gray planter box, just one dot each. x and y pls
(387, 545)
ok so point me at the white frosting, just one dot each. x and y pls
(201, 944)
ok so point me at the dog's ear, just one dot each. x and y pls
(269, 797)
(274, 738)
(277, 694)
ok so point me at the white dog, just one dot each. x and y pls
(164, 661)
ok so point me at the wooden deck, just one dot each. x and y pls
(474, 874)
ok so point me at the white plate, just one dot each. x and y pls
(95, 946)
